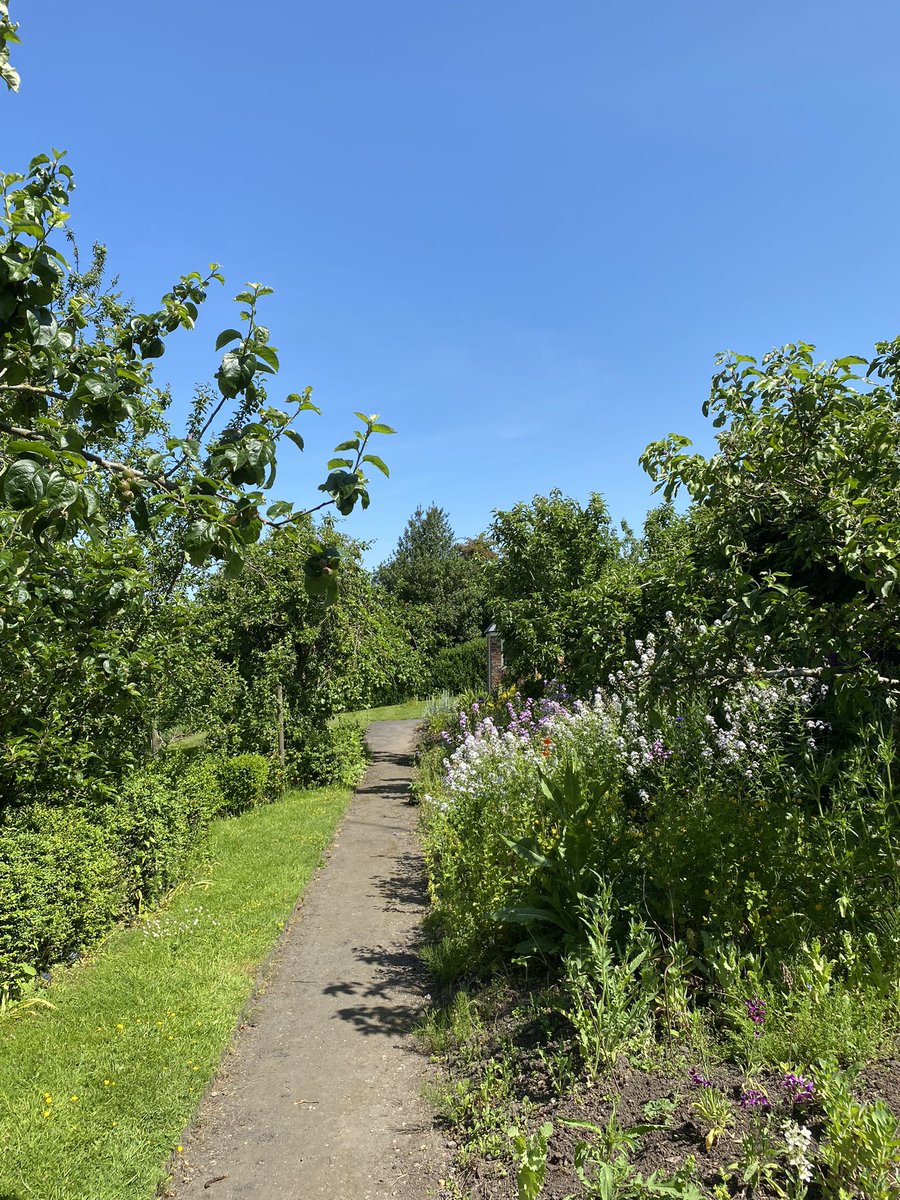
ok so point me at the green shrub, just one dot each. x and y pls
(61, 886)
(460, 668)
(276, 781)
(66, 876)
(157, 825)
(198, 780)
(330, 754)
(242, 781)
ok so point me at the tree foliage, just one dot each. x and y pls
(104, 504)
(8, 36)
(796, 517)
(76, 381)
(445, 579)
(560, 587)
(264, 629)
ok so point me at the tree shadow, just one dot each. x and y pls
(386, 782)
(405, 889)
(392, 1003)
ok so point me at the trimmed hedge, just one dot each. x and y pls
(460, 668)
(242, 781)
(67, 874)
(157, 828)
(329, 754)
(61, 886)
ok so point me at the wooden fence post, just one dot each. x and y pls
(279, 704)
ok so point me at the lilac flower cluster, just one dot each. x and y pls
(658, 750)
(755, 1100)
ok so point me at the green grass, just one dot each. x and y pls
(412, 710)
(97, 1090)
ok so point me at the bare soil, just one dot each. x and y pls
(633, 1093)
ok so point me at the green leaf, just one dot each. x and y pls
(40, 448)
(235, 373)
(524, 914)
(306, 405)
(382, 429)
(226, 336)
(60, 491)
(525, 849)
(268, 355)
(295, 437)
(41, 325)
(376, 462)
(140, 515)
(23, 484)
(340, 482)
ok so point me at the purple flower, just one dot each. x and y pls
(697, 1079)
(800, 1090)
(756, 1011)
(658, 750)
(755, 1099)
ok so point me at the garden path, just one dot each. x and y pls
(320, 1094)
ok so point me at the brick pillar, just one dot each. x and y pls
(494, 661)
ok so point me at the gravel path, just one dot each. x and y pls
(321, 1092)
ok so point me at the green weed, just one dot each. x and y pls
(531, 1152)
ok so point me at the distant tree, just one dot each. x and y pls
(431, 570)
(561, 588)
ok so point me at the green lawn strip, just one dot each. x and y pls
(412, 710)
(138, 1031)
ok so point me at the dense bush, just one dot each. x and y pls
(330, 754)
(721, 806)
(156, 827)
(68, 873)
(727, 817)
(242, 781)
(197, 777)
(61, 885)
(462, 668)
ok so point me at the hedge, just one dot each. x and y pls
(67, 874)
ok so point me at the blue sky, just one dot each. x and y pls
(518, 231)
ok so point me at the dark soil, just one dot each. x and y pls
(663, 1096)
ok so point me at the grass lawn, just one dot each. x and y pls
(413, 709)
(97, 1089)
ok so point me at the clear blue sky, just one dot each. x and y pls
(519, 231)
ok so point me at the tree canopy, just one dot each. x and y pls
(446, 579)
